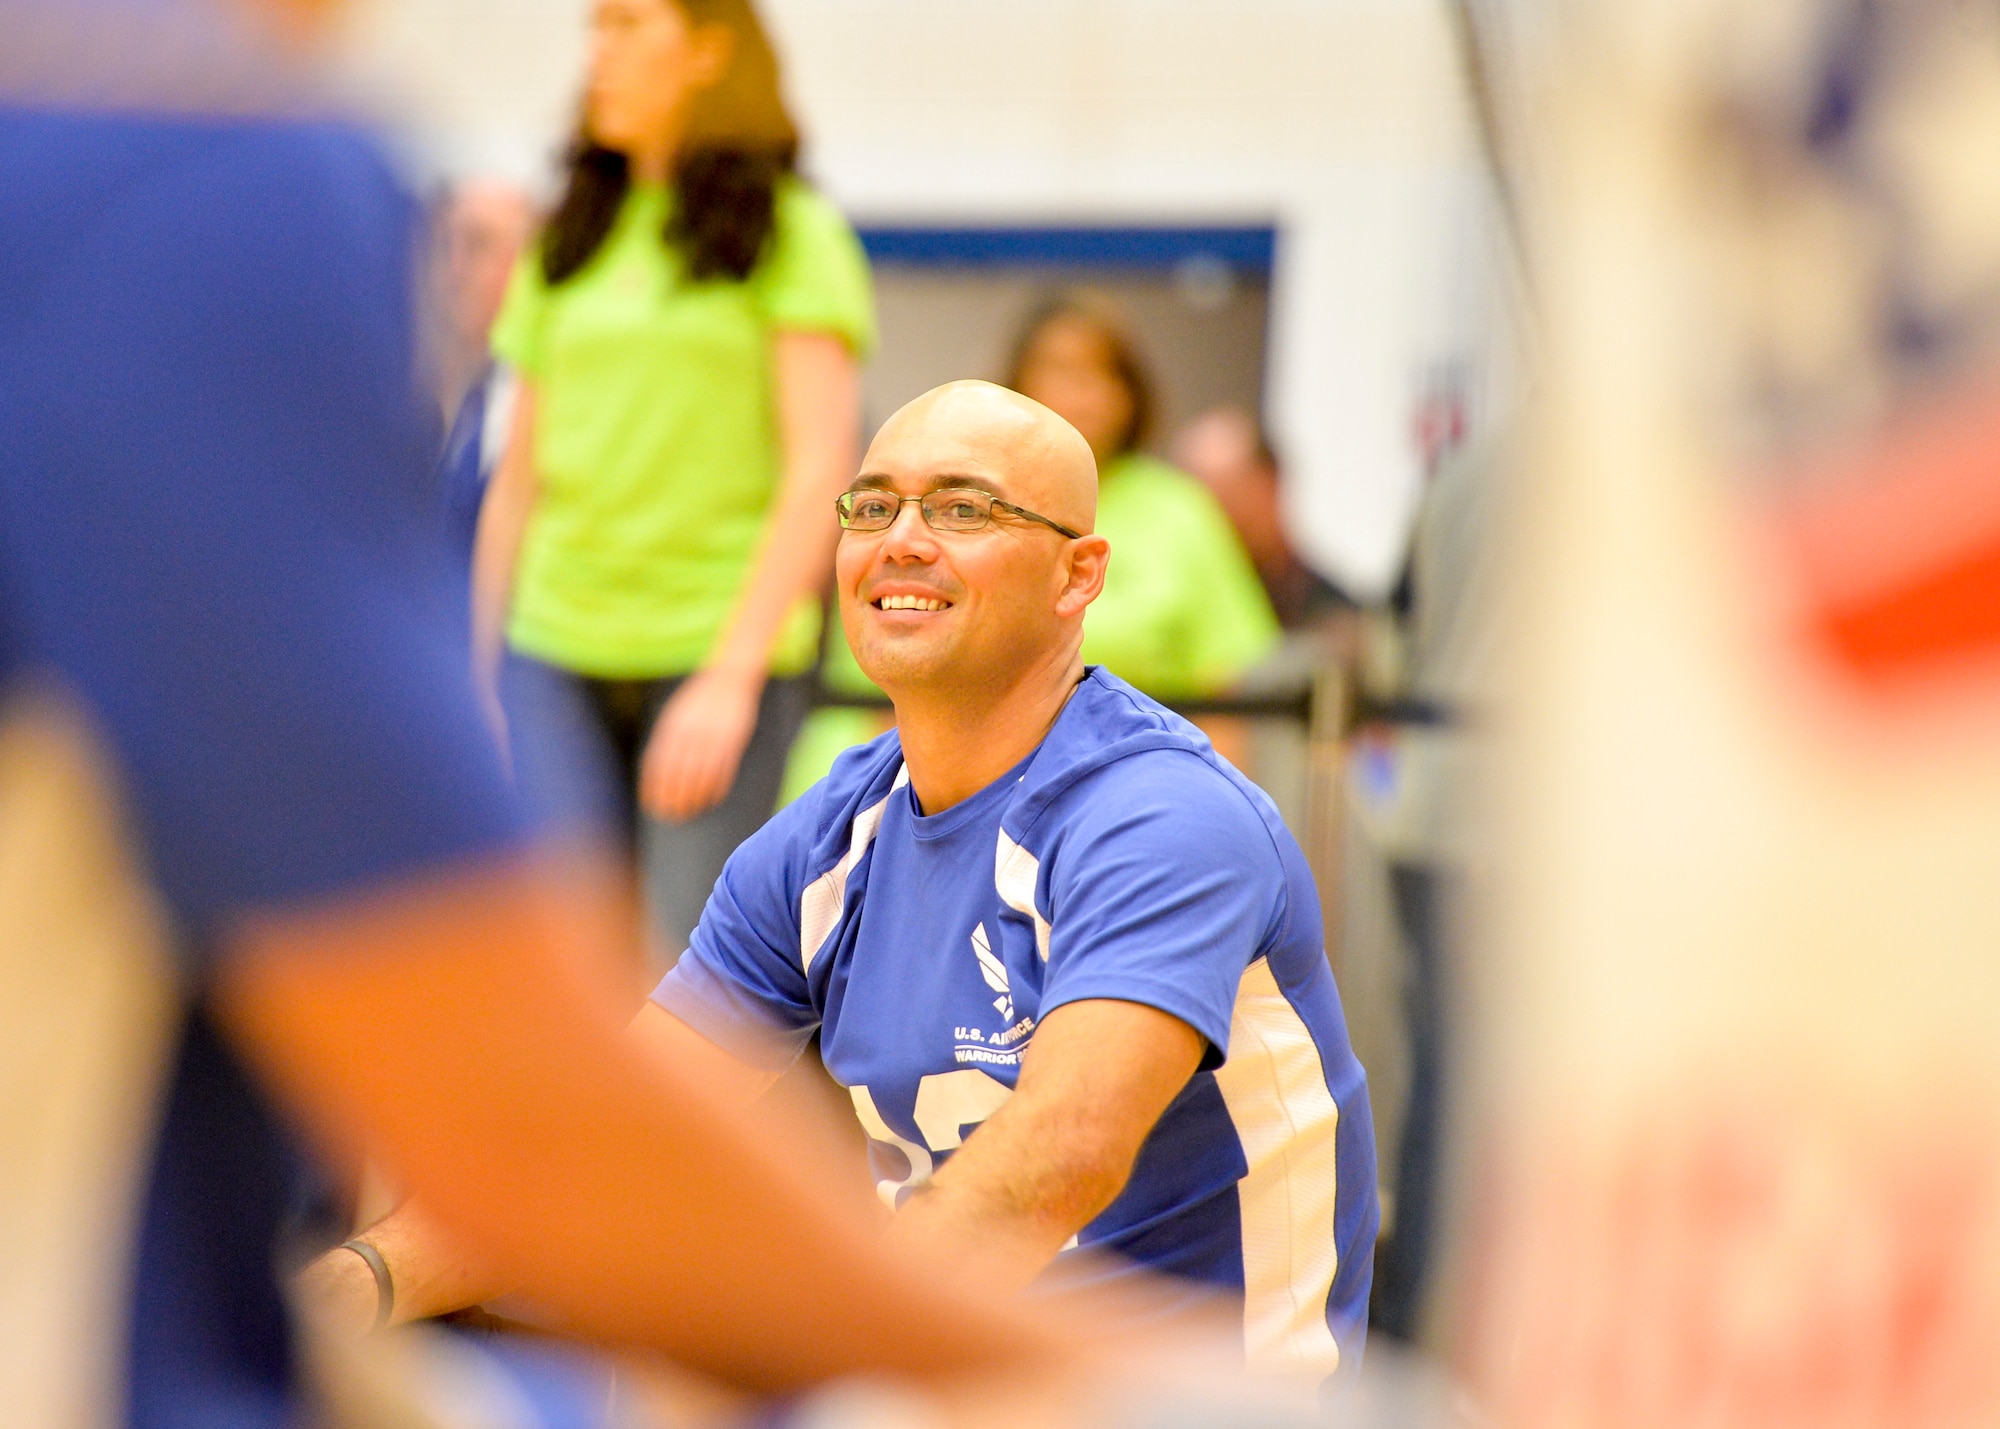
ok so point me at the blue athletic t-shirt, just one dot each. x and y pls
(1122, 860)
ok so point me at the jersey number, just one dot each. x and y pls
(947, 1103)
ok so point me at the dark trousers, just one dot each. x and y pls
(1403, 1261)
(578, 741)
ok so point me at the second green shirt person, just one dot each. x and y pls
(687, 331)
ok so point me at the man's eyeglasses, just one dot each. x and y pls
(955, 508)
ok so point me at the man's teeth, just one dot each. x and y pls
(911, 602)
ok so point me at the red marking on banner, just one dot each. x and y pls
(1897, 540)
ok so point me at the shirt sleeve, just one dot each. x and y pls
(816, 278)
(517, 331)
(217, 527)
(1162, 892)
(1231, 626)
(742, 983)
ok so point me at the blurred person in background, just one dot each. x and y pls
(687, 331)
(1183, 614)
(259, 867)
(480, 229)
(1227, 450)
(1418, 771)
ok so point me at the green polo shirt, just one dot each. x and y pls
(1183, 613)
(657, 438)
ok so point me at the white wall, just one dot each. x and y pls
(1341, 119)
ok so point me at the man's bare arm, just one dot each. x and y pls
(1093, 1084)
(469, 1030)
(432, 1274)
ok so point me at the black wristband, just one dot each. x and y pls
(385, 1288)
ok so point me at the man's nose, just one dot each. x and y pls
(908, 536)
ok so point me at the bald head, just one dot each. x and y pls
(965, 613)
(1029, 454)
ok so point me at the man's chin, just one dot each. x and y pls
(905, 662)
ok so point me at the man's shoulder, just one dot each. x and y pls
(1128, 765)
(1106, 712)
(1113, 735)
(1185, 790)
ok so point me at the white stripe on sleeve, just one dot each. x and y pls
(1274, 1085)
(820, 905)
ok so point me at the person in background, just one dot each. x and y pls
(481, 228)
(687, 331)
(1426, 821)
(1227, 450)
(1183, 614)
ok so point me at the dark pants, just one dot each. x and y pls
(1403, 1261)
(578, 741)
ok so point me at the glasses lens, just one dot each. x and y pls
(867, 511)
(958, 510)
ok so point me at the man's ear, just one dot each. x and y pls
(1083, 575)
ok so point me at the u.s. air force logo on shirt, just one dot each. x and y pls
(994, 971)
(1003, 1049)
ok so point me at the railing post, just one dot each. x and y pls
(1326, 735)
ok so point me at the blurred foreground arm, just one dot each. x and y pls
(1093, 1084)
(430, 1271)
(468, 1029)
(659, 1034)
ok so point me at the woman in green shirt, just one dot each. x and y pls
(1183, 613)
(687, 332)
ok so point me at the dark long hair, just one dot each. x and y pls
(1101, 315)
(740, 143)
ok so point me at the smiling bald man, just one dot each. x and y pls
(1066, 961)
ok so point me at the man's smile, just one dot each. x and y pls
(909, 597)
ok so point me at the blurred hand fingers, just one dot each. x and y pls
(704, 777)
(659, 773)
(696, 747)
